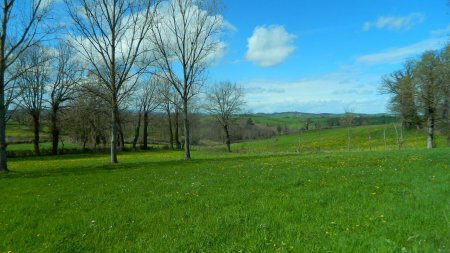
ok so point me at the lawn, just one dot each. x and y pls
(154, 202)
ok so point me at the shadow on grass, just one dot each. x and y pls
(102, 167)
(92, 167)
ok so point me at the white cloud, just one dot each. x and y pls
(355, 85)
(269, 46)
(331, 92)
(395, 23)
(400, 54)
(444, 31)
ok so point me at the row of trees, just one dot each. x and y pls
(123, 52)
(420, 93)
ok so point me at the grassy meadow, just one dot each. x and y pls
(292, 193)
(363, 138)
(154, 202)
(295, 121)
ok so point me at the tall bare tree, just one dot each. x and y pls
(19, 30)
(400, 84)
(32, 84)
(110, 35)
(348, 121)
(149, 102)
(67, 74)
(168, 98)
(444, 107)
(86, 119)
(428, 84)
(177, 110)
(186, 37)
(137, 126)
(224, 101)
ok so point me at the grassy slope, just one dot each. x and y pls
(17, 131)
(154, 202)
(337, 140)
(20, 138)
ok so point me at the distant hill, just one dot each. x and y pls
(298, 120)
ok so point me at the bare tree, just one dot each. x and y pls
(444, 107)
(185, 38)
(400, 84)
(67, 74)
(348, 121)
(137, 126)
(308, 122)
(168, 103)
(149, 101)
(19, 31)
(177, 109)
(428, 84)
(399, 137)
(110, 35)
(224, 101)
(86, 119)
(32, 84)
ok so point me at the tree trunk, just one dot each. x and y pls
(3, 109)
(114, 131)
(114, 102)
(227, 138)
(446, 105)
(55, 130)
(169, 119)
(177, 125)
(36, 131)
(349, 139)
(121, 137)
(145, 143)
(136, 131)
(3, 161)
(187, 148)
(430, 133)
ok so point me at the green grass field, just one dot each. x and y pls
(395, 201)
(42, 146)
(17, 130)
(296, 121)
(363, 138)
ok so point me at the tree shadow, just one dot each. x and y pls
(104, 167)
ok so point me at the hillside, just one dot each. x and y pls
(298, 120)
(363, 138)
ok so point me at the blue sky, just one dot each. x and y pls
(324, 56)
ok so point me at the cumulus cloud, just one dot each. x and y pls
(269, 46)
(400, 54)
(395, 23)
